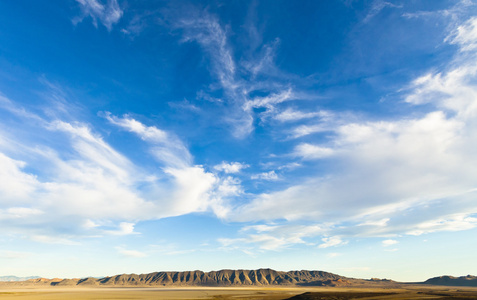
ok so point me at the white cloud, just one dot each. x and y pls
(206, 30)
(192, 189)
(230, 168)
(15, 185)
(108, 14)
(94, 150)
(448, 223)
(453, 15)
(19, 213)
(290, 166)
(260, 228)
(290, 115)
(238, 82)
(271, 236)
(124, 228)
(269, 101)
(54, 240)
(80, 181)
(387, 243)
(265, 176)
(137, 24)
(465, 36)
(412, 175)
(332, 241)
(151, 134)
(264, 64)
(308, 151)
(304, 130)
(327, 121)
(86, 185)
(379, 223)
(226, 188)
(131, 253)
(167, 148)
(377, 7)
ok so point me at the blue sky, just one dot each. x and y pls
(139, 136)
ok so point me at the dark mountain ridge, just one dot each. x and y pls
(468, 280)
(260, 277)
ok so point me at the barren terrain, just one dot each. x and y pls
(309, 293)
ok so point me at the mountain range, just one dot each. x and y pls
(223, 278)
(258, 277)
(468, 280)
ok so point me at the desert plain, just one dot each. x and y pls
(237, 293)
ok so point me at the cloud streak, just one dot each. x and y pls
(166, 147)
(92, 187)
(108, 14)
(418, 166)
(237, 81)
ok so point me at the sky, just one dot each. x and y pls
(141, 136)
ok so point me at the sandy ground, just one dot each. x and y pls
(78, 293)
(81, 293)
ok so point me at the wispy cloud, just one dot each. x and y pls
(124, 228)
(452, 14)
(387, 243)
(271, 237)
(382, 222)
(167, 148)
(130, 253)
(92, 185)
(54, 240)
(465, 36)
(237, 81)
(230, 168)
(308, 151)
(377, 7)
(321, 121)
(271, 175)
(269, 101)
(290, 115)
(19, 213)
(421, 165)
(455, 222)
(332, 241)
(108, 14)
(205, 29)
(137, 24)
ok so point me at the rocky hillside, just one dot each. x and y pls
(261, 277)
(468, 280)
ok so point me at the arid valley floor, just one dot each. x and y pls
(269, 293)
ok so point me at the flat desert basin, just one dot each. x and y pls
(277, 293)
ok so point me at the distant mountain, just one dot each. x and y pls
(224, 278)
(15, 278)
(258, 277)
(468, 280)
